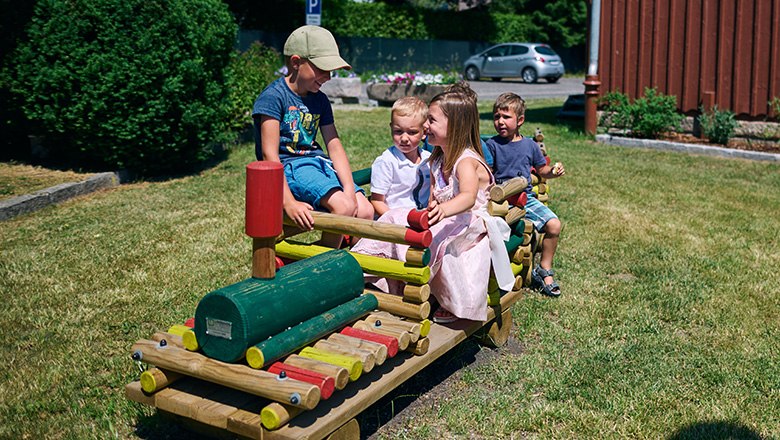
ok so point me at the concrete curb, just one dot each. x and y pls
(688, 148)
(55, 194)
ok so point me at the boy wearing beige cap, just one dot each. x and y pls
(287, 116)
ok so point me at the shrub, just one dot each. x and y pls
(248, 74)
(649, 116)
(127, 83)
(655, 114)
(718, 125)
(774, 105)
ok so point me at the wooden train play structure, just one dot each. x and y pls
(298, 350)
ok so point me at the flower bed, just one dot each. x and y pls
(387, 88)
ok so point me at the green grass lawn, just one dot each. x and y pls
(668, 326)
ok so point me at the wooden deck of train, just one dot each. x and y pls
(221, 411)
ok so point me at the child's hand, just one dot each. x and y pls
(558, 169)
(299, 213)
(435, 213)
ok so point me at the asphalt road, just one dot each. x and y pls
(489, 90)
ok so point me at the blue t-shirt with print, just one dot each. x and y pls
(513, 159)
(299, 120)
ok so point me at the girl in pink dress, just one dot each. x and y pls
(465, 238)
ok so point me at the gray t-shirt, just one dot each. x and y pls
(513, 159)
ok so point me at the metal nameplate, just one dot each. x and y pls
(219, 328)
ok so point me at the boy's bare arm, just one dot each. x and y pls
(551, 172)
(269, 139)
(379, 203)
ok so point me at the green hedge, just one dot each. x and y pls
(136, 84)
(391, 21)
(248, 74)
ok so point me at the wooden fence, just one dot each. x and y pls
(704, 52)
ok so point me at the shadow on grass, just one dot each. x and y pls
(388, 407)
(715, 430)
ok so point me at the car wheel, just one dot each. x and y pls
(529, 75)
(472, 73)
(496, 78)
(553, 79)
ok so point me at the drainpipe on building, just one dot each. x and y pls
(592, 82)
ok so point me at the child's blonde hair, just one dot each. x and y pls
(460, 108)
(410, 106)
(510, 101)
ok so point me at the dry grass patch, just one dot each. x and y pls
(18, 179)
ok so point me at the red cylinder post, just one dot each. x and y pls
(263, 220)
(326, 384)
(418, 219)
(264, 196)
(418, 239)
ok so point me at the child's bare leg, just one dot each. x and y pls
(550, 243)
(365, 208)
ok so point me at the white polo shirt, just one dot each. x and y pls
(403, 183)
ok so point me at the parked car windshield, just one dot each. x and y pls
(545, 50)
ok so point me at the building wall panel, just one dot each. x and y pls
(704, 52)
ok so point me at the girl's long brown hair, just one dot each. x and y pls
(462, 126)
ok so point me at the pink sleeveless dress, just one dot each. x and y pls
(460, 252)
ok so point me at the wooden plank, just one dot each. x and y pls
(220, 405)
(329, 415)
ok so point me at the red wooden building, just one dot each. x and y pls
(704, 52)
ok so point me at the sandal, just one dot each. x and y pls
(442, 316)
(539, 274)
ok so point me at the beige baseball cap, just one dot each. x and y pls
(317, 45)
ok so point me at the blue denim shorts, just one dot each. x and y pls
(538, 213)
(312, 178)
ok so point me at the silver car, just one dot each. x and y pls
(529, 61)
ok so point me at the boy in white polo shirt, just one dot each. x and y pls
(400, 177)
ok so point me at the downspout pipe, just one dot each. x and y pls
(592, 82)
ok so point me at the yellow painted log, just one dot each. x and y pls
(189, 340)
(339, 374)
(397, 306)
(516, 268)
(366, 357)
(353, 365)
(383, 267)
(499, 193)
(275, 415)
(241, 377)
(155, 379)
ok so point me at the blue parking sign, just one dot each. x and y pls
(313, 12)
